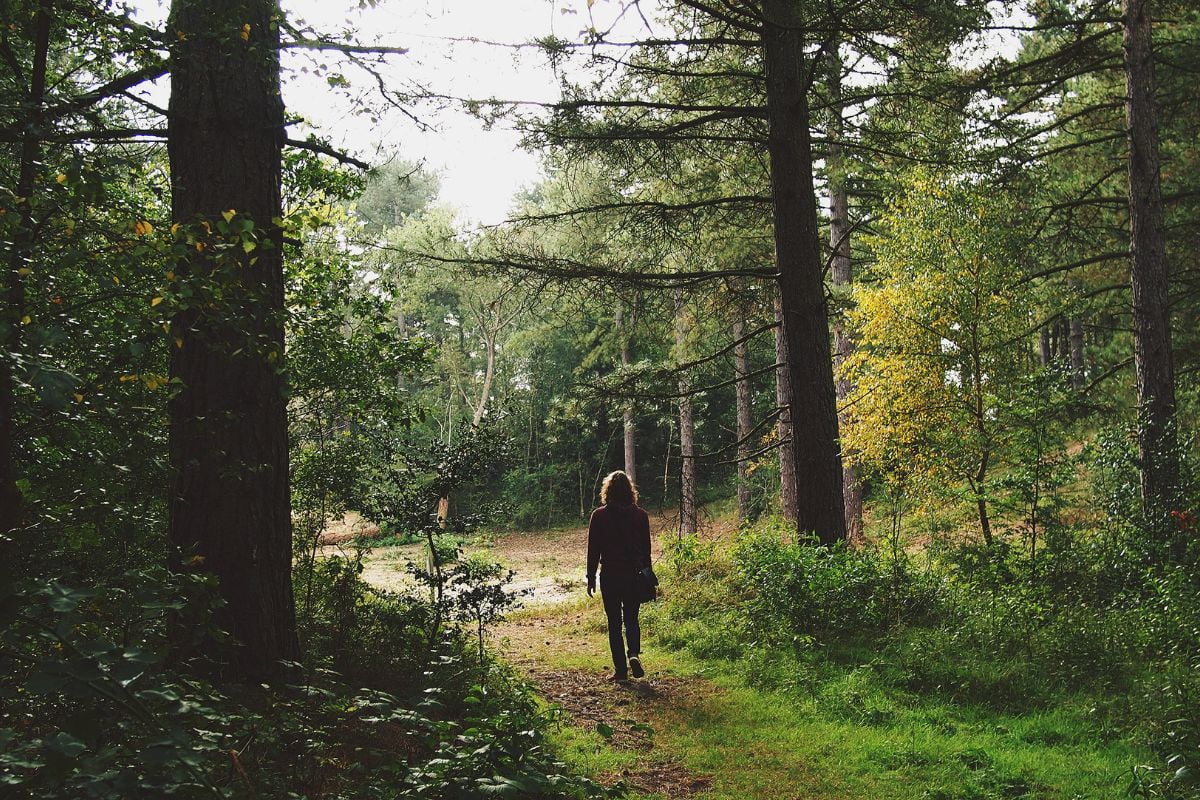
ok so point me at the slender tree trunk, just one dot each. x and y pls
(783, 427)
(1044, 346)
(443, 507)
(666, 476)
(579, 471)
(1077, 366)
(820, 507)
(229, 501)
(745, 420)
(842, 269)
(985, 524)
(687, 429)
(485, 393)
(402, 332)
(978, 483)
(489, 376)
(1152, 357)
(11, 501)
(627, 414)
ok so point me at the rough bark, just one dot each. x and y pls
(687, 430)
(1152, 358)
(842, 273)
(820, 507)
(745, 418)
(229, 501)
(783, 427)
(627, 414)
(11, 501)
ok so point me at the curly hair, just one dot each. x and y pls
(618, 489)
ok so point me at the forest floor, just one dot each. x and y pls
(549, 564)
(694, 728)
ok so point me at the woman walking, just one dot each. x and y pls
(619, 544)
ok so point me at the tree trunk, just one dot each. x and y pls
(1044, 346)
(1152, 357)
(979, 409)
(985, 524)
(687, 430)
(842, 269)
(783, 428)
(820, 507)
(229, 502)
(443, 507)
(666, 476)
(979, 486)
(1077, 367)
(745, 421)
(485, 392)
(11, 501)
(489, 375)
(630, 428)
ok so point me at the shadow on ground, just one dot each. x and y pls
(626, 714)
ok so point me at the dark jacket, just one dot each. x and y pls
(618, 539)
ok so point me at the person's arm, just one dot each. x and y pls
(645, 536)
(593, 553)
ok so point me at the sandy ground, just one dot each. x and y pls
(549, 565)
(347, 529)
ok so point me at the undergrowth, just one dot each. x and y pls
(972, 666)
(116, 691)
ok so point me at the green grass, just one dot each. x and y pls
(911, 710)
(588, 751)
(850, 739)
(846, 731)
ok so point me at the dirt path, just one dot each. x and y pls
(559, 643)
(549, 565)
(563, 652)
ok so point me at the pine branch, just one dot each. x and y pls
(327, 150)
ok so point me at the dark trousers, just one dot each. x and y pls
(621, 605)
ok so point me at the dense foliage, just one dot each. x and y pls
(1096, 639)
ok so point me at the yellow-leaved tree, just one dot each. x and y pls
(941, 340)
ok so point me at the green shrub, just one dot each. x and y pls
(1172, 707)
(798, 589)
(1100, 627)
(104, 694)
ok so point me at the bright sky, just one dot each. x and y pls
(480, 169)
